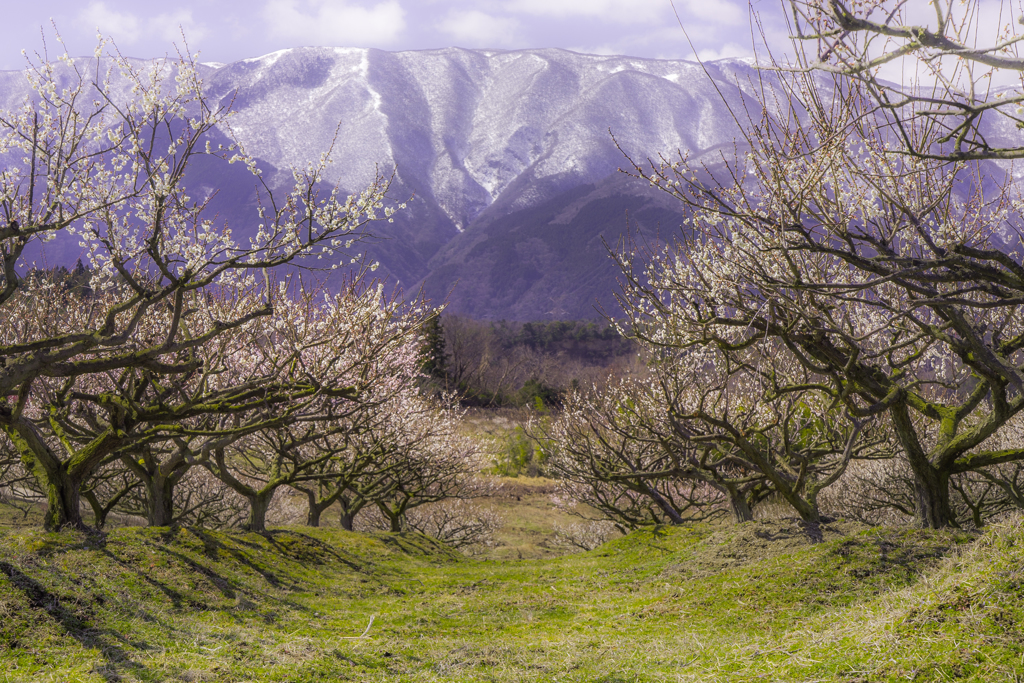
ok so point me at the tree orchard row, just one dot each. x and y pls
(844, 303)
(183, 357)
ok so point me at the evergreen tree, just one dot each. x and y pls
(434, 362)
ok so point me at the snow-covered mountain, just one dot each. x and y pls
(469, 124)
(503, 150)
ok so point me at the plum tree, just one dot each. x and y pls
(352, 353)
(104, 157)
(892, 276)
(944, 66)
(709, 431)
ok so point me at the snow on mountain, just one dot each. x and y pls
(469, 124)
(479, 136)
(482, 136)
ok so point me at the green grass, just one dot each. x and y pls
(529, 519)
(20, 515)
(755, 602)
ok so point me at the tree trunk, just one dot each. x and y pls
(62, 481)
(101, 510)
(99, 513)
(158, 480)
(931, 485)
(931, 498)
(660, 501)
(395, 519)
(741, 509)
(313, 514)
(63, 503)
(349, 509)
(258, 506)
(808, 511)
(159, 500)
(318, 507)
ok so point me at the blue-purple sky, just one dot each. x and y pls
(228, 30)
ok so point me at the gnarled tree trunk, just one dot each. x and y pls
(258, 506)
(61, 480)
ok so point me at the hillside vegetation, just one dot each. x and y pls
(766, 600)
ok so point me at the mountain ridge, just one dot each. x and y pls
(480, 137)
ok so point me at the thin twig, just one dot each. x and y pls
(363, 634)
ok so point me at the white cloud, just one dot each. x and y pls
(334, 22)
(621, 11)
(724, 52)
(478, 29)
(128, 29)
(716, 11)
(123, 27)
(168, 27)
(659, 42)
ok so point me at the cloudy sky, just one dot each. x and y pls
(228, 30)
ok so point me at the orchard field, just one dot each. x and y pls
(796, 451)
(771, 600)
(763, 600)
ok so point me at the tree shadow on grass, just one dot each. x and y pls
(657, 532)
(76, 620)
(228, 588)
(56, 542)
(414, 543)
(288, 544)
(184, 551)
(307, 549)
(793, 528)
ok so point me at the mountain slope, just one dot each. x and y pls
(551, 260)
(481, 139)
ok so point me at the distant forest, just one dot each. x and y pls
(508, 363)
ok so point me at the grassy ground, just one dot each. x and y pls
(764, 601)
(12, 516)
(530, 519)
